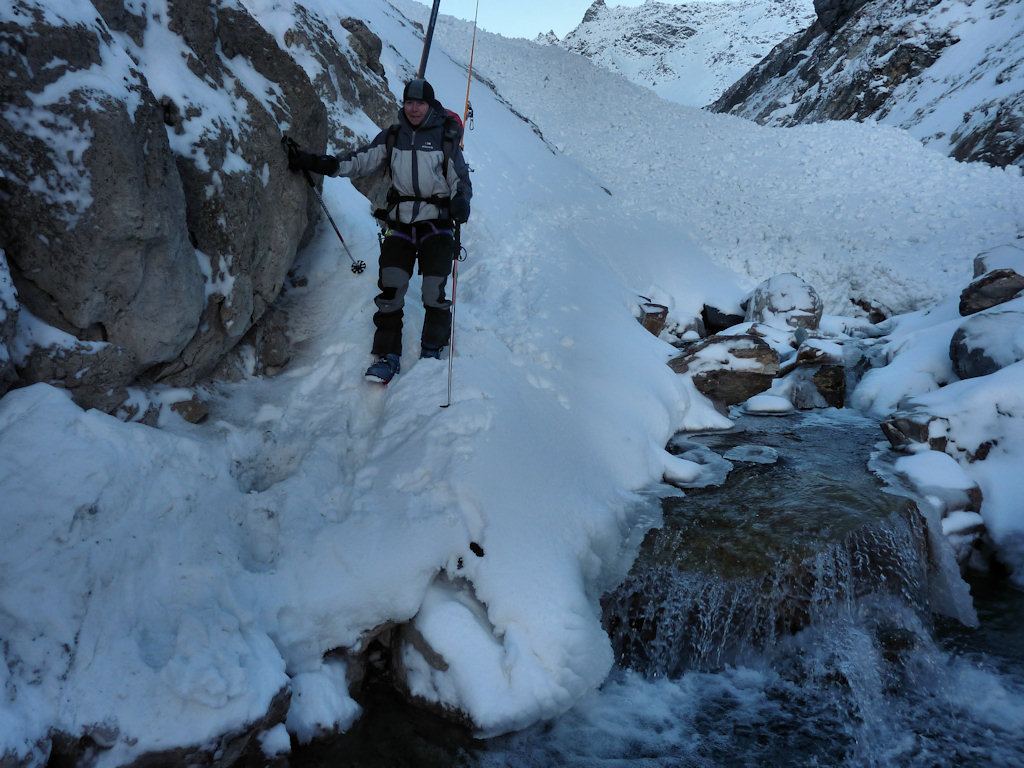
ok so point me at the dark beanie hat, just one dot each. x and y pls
(418, 89)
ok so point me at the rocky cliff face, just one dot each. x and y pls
(688, 52)
(950, 72)
(148, 227)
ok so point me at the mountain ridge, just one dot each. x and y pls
(688, 52)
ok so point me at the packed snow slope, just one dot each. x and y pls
(160, 586)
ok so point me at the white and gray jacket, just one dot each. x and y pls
(419, 185)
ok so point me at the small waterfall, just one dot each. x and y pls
(664, 621)
(779, 547)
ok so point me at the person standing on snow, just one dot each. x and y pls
(430, 191)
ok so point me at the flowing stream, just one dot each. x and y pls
(795, 615)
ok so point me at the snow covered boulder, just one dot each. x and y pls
(147, 202)
(92, 218)
(955, 498)
(979, 422)
(1007, 256)
(999, 277)
(246, 213)
(989, 341)
(907, 430)
(785, 301)
(729, 369)
(822, 386)
(815, 377)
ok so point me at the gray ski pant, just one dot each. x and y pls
(430, 244)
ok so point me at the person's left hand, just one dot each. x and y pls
(459, 209)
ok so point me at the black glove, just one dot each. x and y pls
(298, 160)
(459, 209)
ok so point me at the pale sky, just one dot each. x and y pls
(522, 18)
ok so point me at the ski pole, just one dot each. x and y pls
(358, 267)
(426, 40)
(455, 277)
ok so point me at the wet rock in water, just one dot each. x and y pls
(757, 454)
(830, 381)
(905, 428)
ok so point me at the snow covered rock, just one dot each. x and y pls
(990, 289)
(93, 220)
(979, 422)
(785, 301)
(1006, 256)
(815, 376)
(999, 277)
(729, 369)
(168, 219)
(988, 341)
(955, 498)
(948, 72)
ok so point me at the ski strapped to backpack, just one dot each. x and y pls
(451, 137)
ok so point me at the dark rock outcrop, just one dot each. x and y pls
(246, 213)
(832, 14)
(872, 60)
(168, 220)
(99, 250)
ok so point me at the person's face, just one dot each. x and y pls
(415, 111)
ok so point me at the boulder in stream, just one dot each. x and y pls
(729, 369)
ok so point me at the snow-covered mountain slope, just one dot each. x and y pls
(159, 587)
(949, 72)
(687, 52)
(858, 210)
